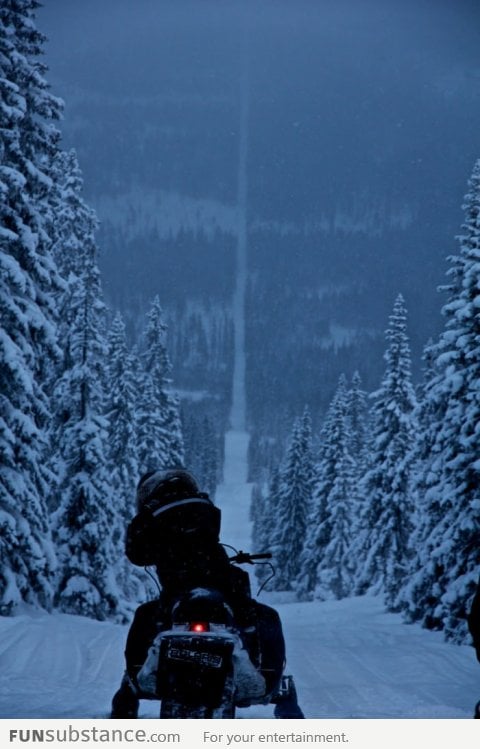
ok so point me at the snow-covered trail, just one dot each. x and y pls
(58, 666)
(238, 411)
(349, 659)
(233, 496)
(352, 659)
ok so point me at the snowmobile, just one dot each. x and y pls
(201, 668)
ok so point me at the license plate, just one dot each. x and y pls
(211, 660)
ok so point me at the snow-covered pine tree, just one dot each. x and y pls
(121, 415)
(358, 443)
(257, 501)
(122, 451)
(419, 594)
(160, 436)
(72, 223)
(294, 499)
(357, 425)
(28, 283)
(264, 514)
(319, 520)
(209, 457)
(384, 548)
(150, 427)
(306, 444)
(69, 217)
(451, 479)
(335, 565)
(85, 520)
(173, 425)
(264, 517)
(259, 514)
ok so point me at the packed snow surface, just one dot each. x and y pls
(233, 496)
(349, 659)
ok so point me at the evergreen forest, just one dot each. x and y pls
(371, 489)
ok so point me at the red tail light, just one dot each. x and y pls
(199, 627)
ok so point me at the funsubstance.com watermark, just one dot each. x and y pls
(71, 735)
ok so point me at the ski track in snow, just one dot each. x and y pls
(349, 658)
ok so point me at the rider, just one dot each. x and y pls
(177, 529)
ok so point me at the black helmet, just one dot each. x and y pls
(166, 485)
(170, 510)
(176, 506)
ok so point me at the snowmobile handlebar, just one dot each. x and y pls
(244, 557)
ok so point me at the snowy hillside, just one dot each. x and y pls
(141, 212)
(349, 659)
